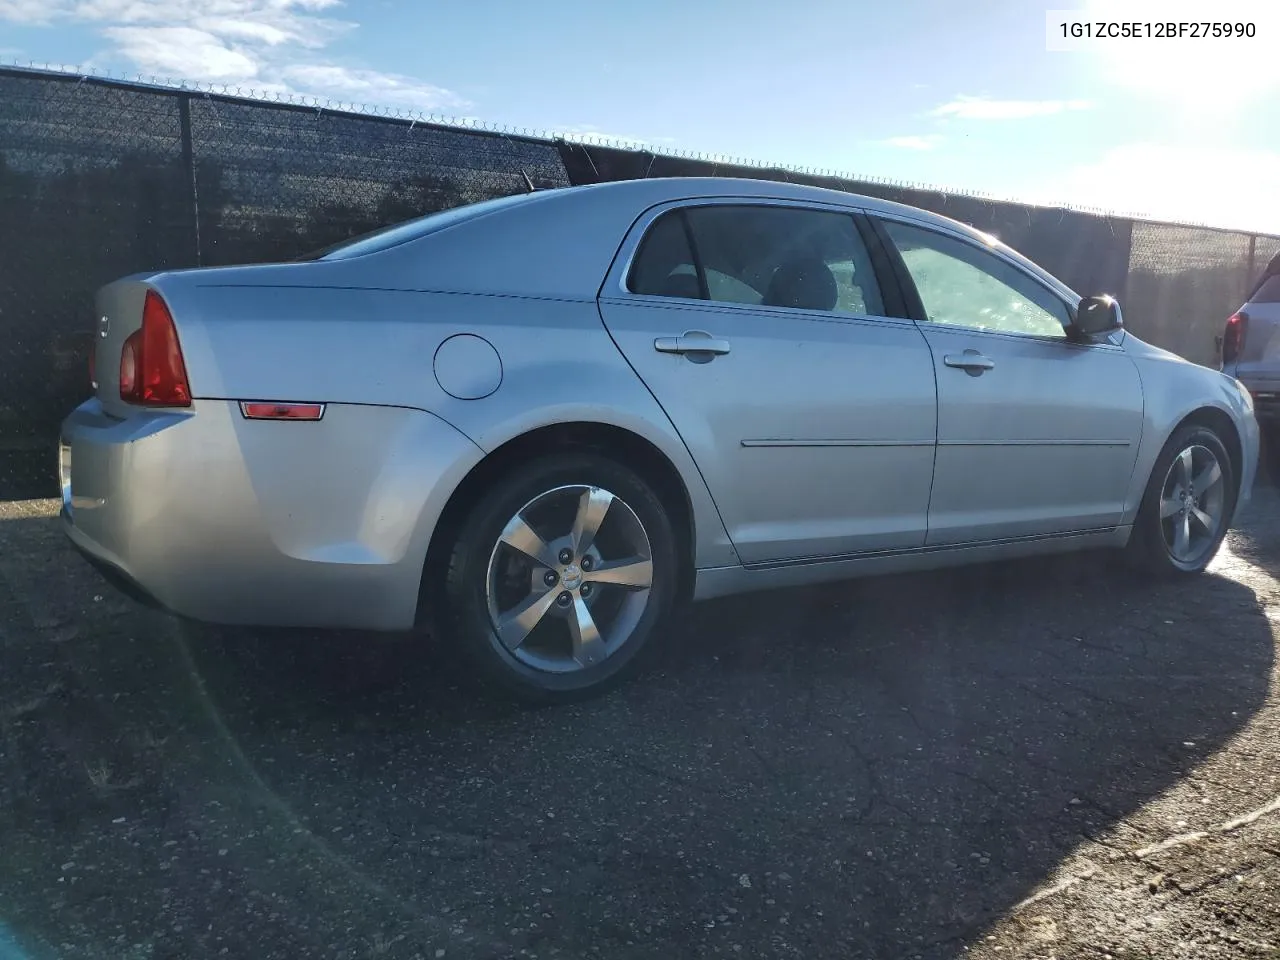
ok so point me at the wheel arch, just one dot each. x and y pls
(1173, 402)
(1224, 426)
(1145, 548)
(618, 443)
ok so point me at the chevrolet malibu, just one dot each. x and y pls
(534, 424)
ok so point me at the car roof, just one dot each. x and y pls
(665, 189)
(632, 197)
(556, 243)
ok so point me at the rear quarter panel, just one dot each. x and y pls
(378, 347)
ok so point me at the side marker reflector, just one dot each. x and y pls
(266, 410)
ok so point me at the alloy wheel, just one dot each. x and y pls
(1192, 504)
(569, 579)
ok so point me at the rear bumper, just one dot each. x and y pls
(1266, 400)
(233, 521)
(115, 576)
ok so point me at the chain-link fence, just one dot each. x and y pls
(100, 179)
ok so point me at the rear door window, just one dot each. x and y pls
(664, 264)
(756, 255)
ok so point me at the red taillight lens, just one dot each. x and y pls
(1233, 337)
(152, 371)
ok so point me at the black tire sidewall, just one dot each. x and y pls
(466, 614)
(1148, 536)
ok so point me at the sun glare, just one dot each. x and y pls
(1225, 75)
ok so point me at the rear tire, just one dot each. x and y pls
(1187, 507)
(558, 577)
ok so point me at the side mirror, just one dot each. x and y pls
(1097, 316)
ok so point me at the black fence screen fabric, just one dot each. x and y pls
(1087, 252)
(100, 179)
(92, 188)
(274, 183)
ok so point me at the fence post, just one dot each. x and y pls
(189, 164)
(1253, 250)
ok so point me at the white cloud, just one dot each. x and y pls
(1218, 186)
(267, 33)
(267, 45)
(927, 141)
(34, 12)
(183, 51)
(984, 108)
(370, 86)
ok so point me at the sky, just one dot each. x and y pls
(961, 94)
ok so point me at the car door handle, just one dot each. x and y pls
(971, 361)
(696, 342)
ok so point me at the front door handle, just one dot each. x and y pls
(971, 361)
(698, 345)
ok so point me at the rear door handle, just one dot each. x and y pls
(971, 361)
(697, 345)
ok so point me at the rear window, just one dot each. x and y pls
(1269, 292)
(399, 233)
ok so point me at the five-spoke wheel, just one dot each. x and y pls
(558, 576)
(1192, 503)
(569, 578)
(1188, 504)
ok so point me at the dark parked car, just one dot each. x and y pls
(1251, 354)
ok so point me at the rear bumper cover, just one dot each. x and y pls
(1266, 398)
(233, 521)
(110, 572)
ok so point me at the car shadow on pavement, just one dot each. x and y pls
(874, 769)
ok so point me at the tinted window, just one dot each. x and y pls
(785, 257)
(964, 285)
(762, 256)
(664, 265)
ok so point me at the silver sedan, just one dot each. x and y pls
(532, 425)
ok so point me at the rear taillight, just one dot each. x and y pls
(152, 371)
(1233, 337)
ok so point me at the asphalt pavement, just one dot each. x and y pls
(1043, 759)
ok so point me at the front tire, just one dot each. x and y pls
(1187, 507)
(558, 577)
